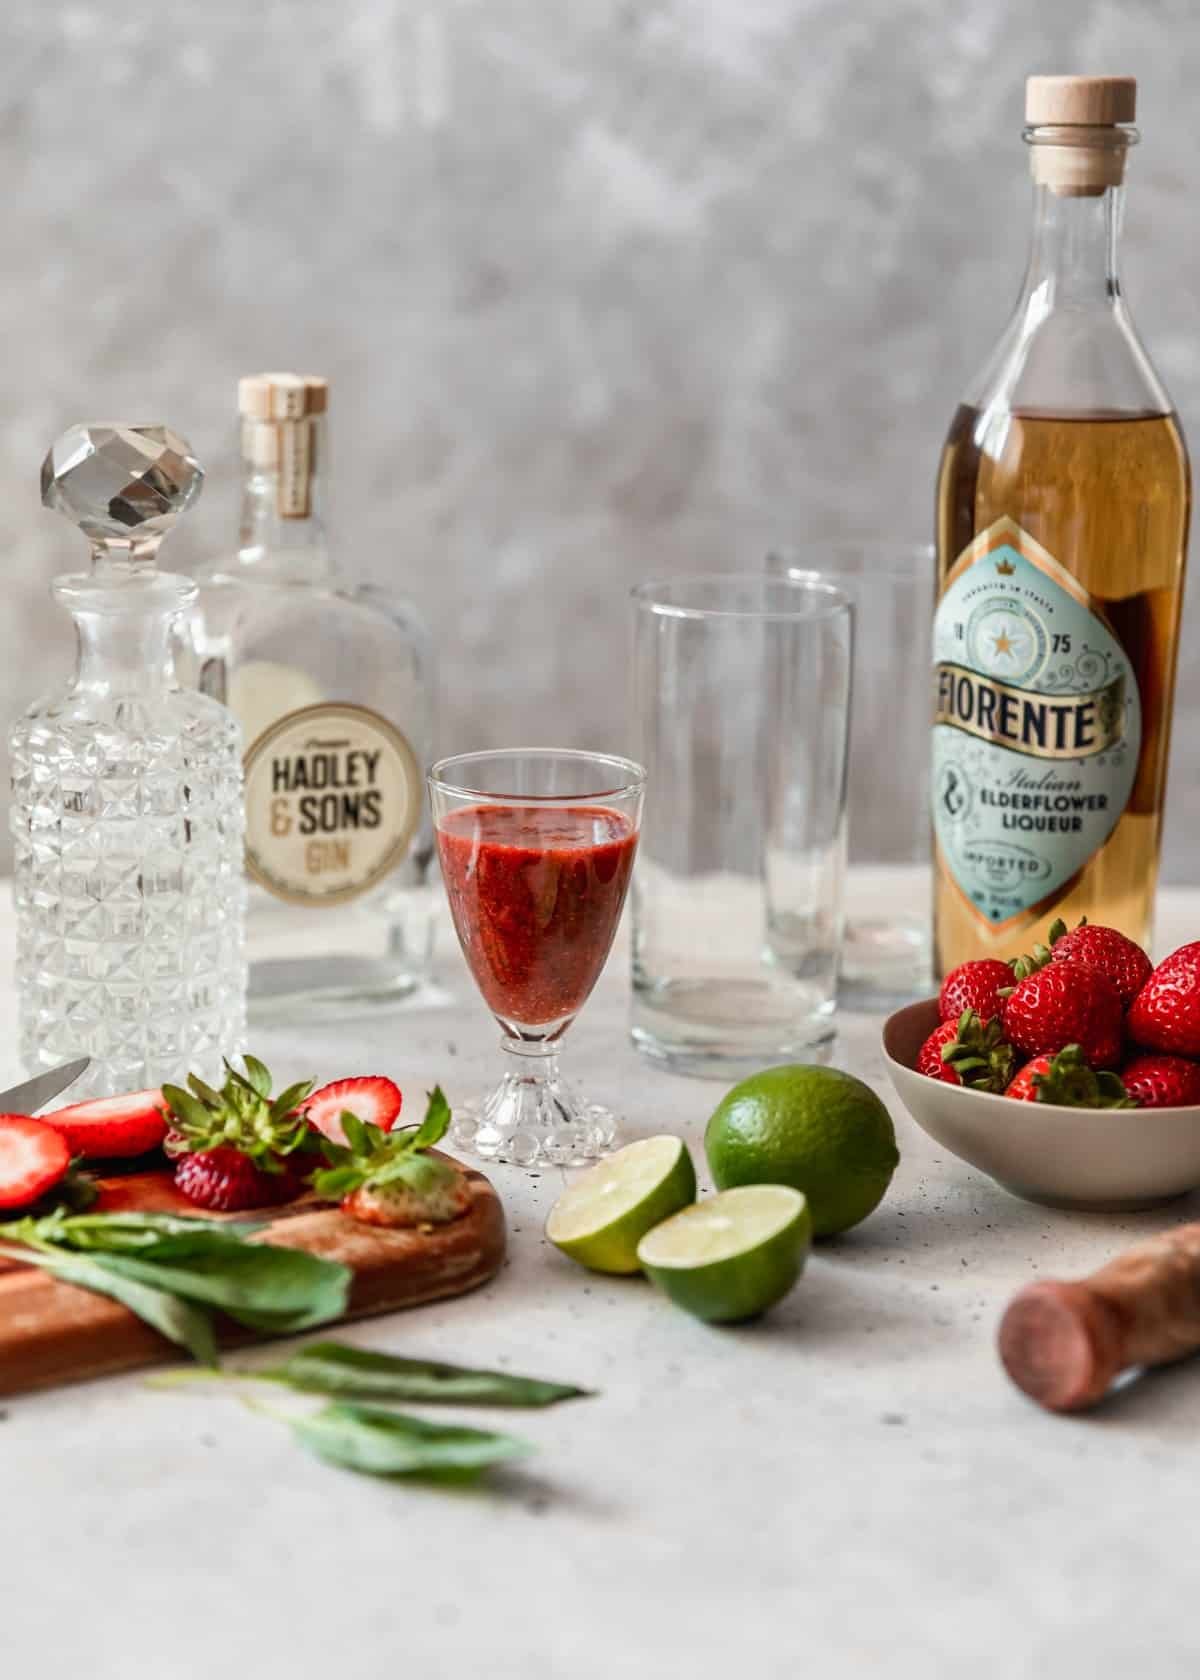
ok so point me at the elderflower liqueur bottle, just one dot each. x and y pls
(333, 687)
(127, 809)
(1062, 519)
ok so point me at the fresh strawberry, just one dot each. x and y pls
(968, 1052)
(33, 1159)
(239, 1142)
(929, 1056)
(228, 1181)
(398, 1205)
(975, 985)
(1165, 1015)
(112, 1126)
(1103, 948)
(389, 1178)
(1066, 1080)
(1160, 1081)
(374, 1100)
(1066, 1003)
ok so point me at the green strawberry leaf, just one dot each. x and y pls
(187, 1109)
(436, 1122)
(288, 1101)
(258, 1074)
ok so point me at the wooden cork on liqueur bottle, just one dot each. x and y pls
(1080, 129)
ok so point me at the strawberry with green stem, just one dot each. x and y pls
(389, 1178)
(239, 1147)
(968, 1052)
(1066, 1080)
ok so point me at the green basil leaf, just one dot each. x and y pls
(335, 1368)
(262, 1286)
(436, 1122)
(187, 1325)
(380, 1443)
(147, 1234)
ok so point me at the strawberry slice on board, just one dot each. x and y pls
(109, 1127)
(33, 1159)
(376, 1101)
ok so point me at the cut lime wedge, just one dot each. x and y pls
(600, 1219)
(733, 1255)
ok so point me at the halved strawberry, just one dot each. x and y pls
(112, 1126)
(375, 1100)
(228, 1181)
(33, 1159)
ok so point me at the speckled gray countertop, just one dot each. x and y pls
(848, 1487)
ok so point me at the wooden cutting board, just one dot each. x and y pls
(53, 1332)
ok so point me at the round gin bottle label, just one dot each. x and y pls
(1037, 726)
(333, 797)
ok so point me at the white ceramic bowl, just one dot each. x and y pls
(1103, 1159)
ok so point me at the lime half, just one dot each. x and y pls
(732, 1256)
(600, 1219)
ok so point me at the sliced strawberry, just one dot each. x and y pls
(33, 1159)
(228, 1181)
(112, 1126)
(375, 1100)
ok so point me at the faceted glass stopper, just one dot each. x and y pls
(123, 484)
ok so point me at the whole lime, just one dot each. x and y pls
(816, 1128)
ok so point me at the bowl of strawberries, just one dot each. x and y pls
(1071, 1075)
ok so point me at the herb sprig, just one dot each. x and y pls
(373, 1439)
(175, 1272)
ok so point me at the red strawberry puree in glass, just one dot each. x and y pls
(536, 894)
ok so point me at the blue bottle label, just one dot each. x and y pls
(1037, 726)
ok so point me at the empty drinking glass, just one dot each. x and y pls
(741, 698)
(887, 956)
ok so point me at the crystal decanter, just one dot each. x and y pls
(127, 797)
(332, 683)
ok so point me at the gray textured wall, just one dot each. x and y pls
(598, 283)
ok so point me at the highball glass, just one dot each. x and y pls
(741, 703)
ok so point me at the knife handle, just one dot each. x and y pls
(1064, 1344)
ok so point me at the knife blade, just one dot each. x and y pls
(34, 1093)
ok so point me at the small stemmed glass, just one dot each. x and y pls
(536, 847)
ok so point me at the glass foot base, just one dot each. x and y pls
(533, 1122)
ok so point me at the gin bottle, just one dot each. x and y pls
(126, 811)
(333, 686)
(1062, 519)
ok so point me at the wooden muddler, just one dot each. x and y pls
(1065, 1343)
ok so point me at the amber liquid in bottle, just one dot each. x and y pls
(1063, 498)
(1108, 496)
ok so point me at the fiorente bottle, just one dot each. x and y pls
(1062, 519)
(332, 683)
